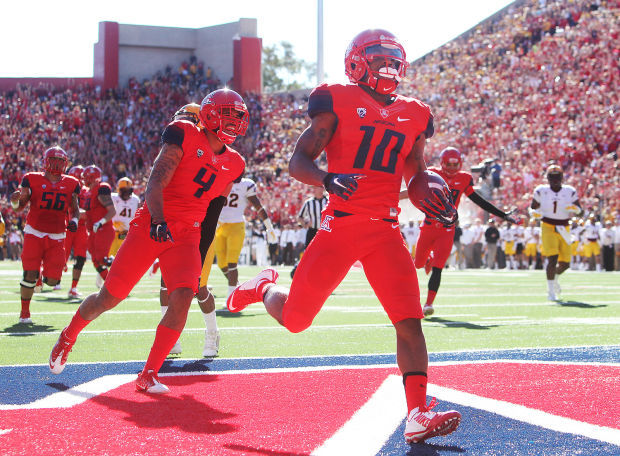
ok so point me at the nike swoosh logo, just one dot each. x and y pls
(402, 119)
(225, 169)
(337, 182)
(395, 225)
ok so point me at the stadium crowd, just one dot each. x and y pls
(535, 83)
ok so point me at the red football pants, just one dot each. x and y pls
(340, 242)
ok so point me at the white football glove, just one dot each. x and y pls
(271, 233)
(98, 224)
(535, 213)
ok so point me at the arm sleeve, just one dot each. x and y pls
(173, 134)
(208, 225)
(484, 204)
(430, 127)
(25, 182)
(320, 100)
(104, 190)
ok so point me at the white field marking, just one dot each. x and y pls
(513, 317)
(368, 429)
(81, 393)
(527, 415)
(523, 361)
(552, 321)
(370, 355)
(484, 295)
(76, 395)
(5, 431)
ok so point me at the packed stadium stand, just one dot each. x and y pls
(537, 82)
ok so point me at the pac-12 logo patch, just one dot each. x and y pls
(361, 112)
(325, 223)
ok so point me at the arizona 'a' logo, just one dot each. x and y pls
(361, 112)
(384, 113)
(199, 152)
(325, 223)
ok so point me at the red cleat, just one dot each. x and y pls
(58, 356)
(250, 291)
(423, 424)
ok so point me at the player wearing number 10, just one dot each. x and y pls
(52, 196)
(372, 138)
(194, 166)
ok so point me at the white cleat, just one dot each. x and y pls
(57, 287)
(148, 382)
(25, 321)
(551, 297)
(423, 424)
(212, 344)
(177, 349)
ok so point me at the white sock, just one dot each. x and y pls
(231, 288)
(163, 310)
(210, 321)
(550, 285)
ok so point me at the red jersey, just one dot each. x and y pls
(95, 211)
(459, 183)
(200, 176)
(370, 139)
(50, 202)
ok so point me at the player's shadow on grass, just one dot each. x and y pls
(25, 330)
(184, 412)
(458, 324)
(199, 365)
(225, 313)
(426, 449)
(253, 450)
(62, 300)
(583, 305)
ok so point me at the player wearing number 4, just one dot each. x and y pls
(52, 196)
(372, 138)
(556, 204)
(194, 167)
(126, 204)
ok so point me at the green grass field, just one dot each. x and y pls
(475, 309)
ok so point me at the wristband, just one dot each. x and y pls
(15, 204)
(268, 223)
(75, 220)
(102, 222)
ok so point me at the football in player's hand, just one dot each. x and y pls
(430, 194)
(421, 187)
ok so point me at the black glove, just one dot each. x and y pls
(342, 185)
(441, 208)
(160, 232)
(509, 219)
(72, 226)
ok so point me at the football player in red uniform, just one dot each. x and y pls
(194, 166)
(78, 241)
(206, 301)
(53, 199)
(436, 238)
(99, 213)
(372, 138)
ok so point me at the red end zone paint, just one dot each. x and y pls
(582, 393)
(273, 413)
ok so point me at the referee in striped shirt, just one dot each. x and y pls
(311, 212)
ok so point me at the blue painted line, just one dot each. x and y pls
(24, 384)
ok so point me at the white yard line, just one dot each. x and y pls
(371, 426)
(527, 415)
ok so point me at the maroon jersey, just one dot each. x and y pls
(200, 176)
(95, 211)
(50, 202)
(370, 139)
(459, 183)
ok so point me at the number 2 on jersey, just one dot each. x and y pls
(377, 157)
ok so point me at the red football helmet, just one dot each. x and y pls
(369, 46)
(76, 171)
(224, 113)
(451, 160)
(91, 175)
(55, 160)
